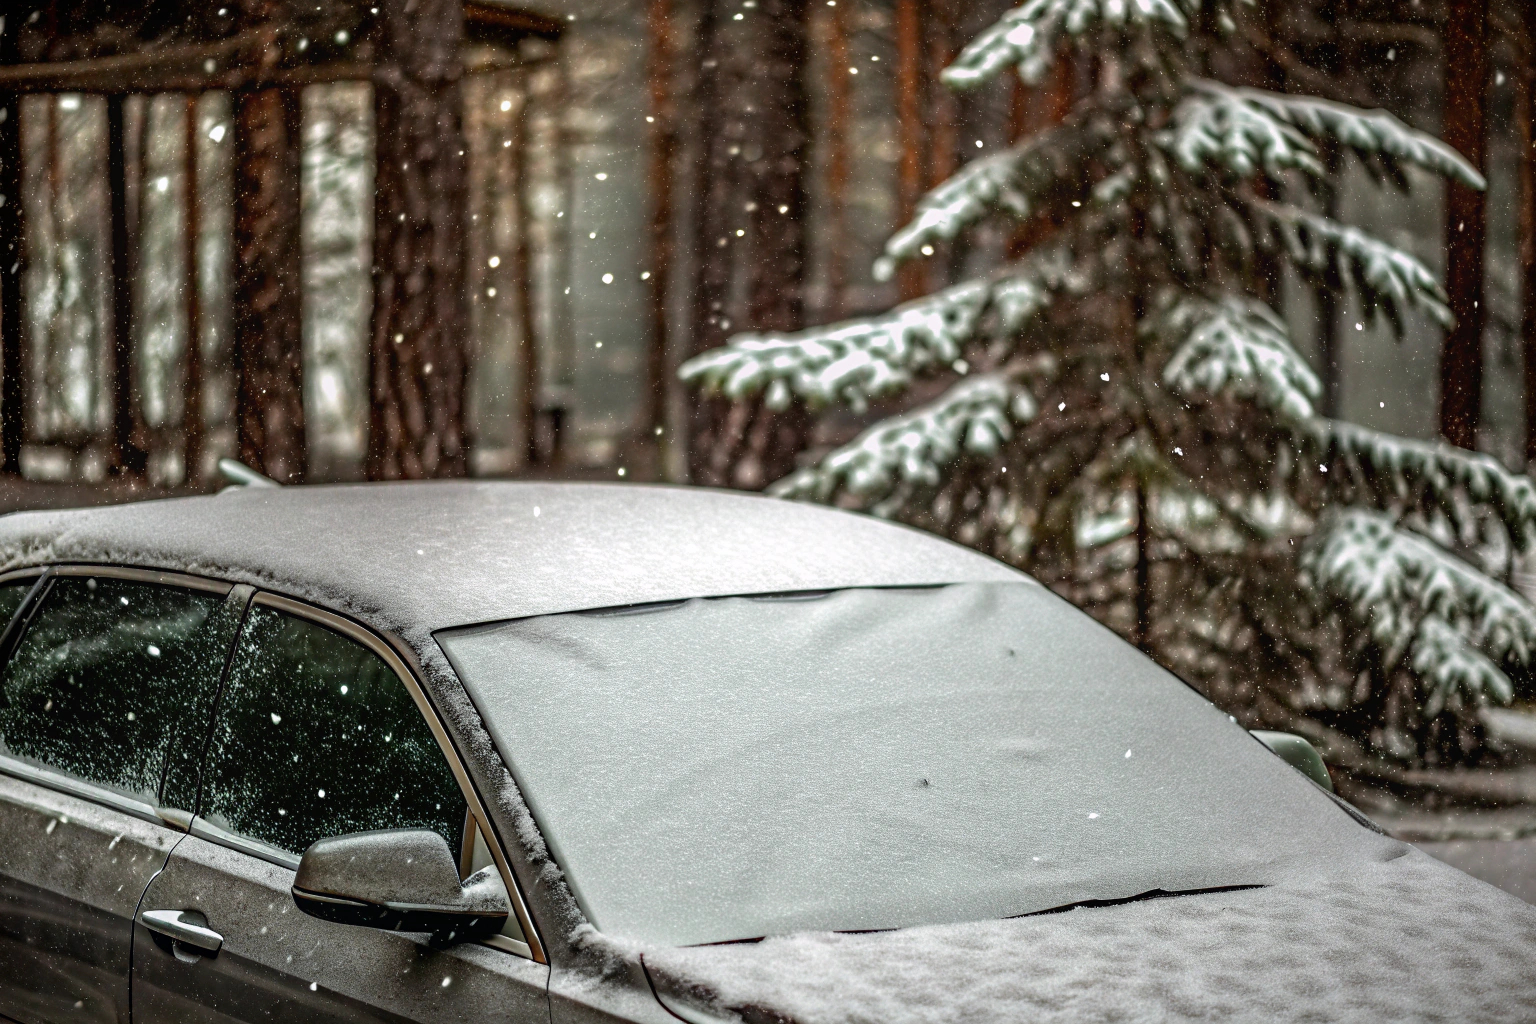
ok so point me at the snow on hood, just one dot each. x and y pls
(1408, 939)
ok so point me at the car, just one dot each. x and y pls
(569, 753)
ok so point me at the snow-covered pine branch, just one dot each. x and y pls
(1012, 181)
(1443, 658)
(1026, 36)
(1416, 599)
(1217, 126)
(1386, 276)
(1428, 474)
(883, 466)
(1243, 129)
(1238, 346)
(857, 360)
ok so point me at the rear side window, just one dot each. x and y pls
(316, 736)
(108, 675)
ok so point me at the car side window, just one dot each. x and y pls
(109, 674)
(316, 736)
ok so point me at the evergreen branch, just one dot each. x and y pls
(883, 466)
(1014, 181)
(1026, 37)
(1415, 598)
(858, 360)
(1240, 347)
(1217, 125)
(1369, 133)
(1385, 276)
(1442, 658)
(1409, 469)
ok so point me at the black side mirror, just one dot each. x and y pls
(401, 880)
(1297, 753)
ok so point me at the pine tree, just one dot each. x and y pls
(1121, 411)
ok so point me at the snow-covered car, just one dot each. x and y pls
(579, 753)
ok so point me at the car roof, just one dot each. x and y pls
(445, 553)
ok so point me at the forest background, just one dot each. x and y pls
(451, 238)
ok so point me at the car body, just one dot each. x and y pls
(694, 755)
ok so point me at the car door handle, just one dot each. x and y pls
(183, 926)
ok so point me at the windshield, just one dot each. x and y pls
(864, 759)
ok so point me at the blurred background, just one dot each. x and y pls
(341, 240)
(598, 138)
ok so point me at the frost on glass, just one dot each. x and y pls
(317, 737)
(107, 676)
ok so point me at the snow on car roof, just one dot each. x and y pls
(426, 555)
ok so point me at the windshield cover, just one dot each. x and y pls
(866, 759)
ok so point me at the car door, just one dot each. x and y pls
(320, 730)
(105, 703)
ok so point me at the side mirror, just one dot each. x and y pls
(400, 880)
(1297, 753)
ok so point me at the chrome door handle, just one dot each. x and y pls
(183, 926)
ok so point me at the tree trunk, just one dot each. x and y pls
(192, 357)
(750, 224)
(1525, 132)
(912, 276)
(663, 149)
(12, 261)
(834, 136)
(416, 420)
(269, 350)
(127, 457)
(1143, 572)
(1461, 360)
(1035, 108)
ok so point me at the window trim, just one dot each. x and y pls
(532, 948)
(48, 778)
(175, 579)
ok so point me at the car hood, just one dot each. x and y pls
(1403, 939)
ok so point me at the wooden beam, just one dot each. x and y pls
(65, 78)
(480, 15)
(112, 74)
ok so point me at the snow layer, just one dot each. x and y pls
(448, 553)
(1408, 939)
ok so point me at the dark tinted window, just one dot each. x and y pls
(316, 737)
(109, 674)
